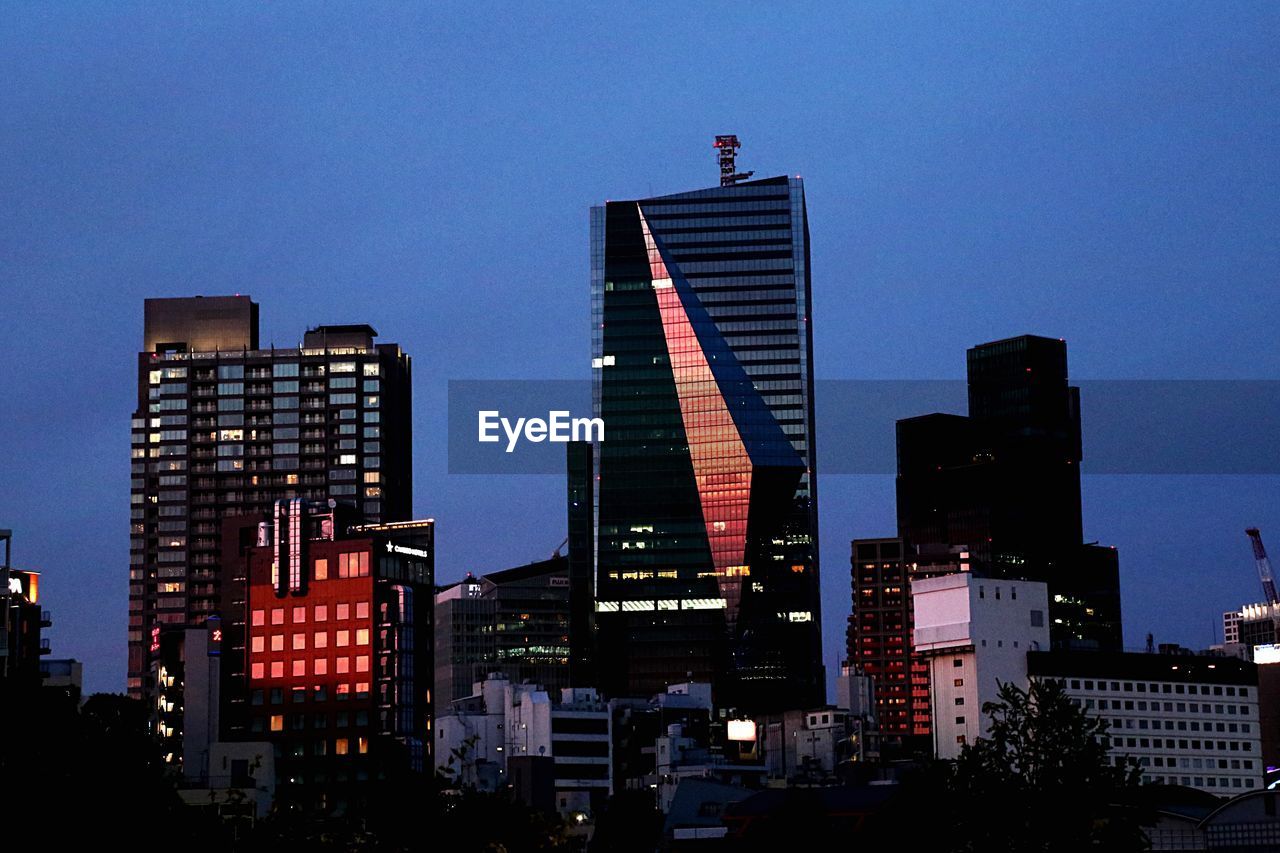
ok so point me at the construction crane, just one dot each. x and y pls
(727, 145)
(1264, 566)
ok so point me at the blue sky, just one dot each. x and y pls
(1102, 172)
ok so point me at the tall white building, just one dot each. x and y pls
(975, 633)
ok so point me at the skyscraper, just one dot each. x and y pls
(224, 427)
(706, 545)
(514, 621)
(1004, 483)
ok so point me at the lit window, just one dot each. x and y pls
(299, 641)
(362, 663)
(277, 722)
(277, 642)
(343, 639)
(277, 669)
(258, 644)
(277, 616)
(258, 671)
(322, 640)
(343, 666)
(320, 667)
(362, 744)
(343, 611)
(321, 573)
(300, 667)
(362, 637)
(342, 367)
(362, 610)
(259, 618)
(370, 368)
(322, 613)
(339, 746)
(299, 615)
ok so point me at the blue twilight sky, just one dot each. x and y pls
(1102, 172)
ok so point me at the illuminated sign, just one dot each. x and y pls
(1269, 653)
(742, 730)
(404, 549)
(214, 624)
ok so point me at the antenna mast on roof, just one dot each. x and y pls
(728, 146)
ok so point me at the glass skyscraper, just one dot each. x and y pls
(706, 512)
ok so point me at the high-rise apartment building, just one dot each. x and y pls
(878, 637)
(226, 427)
(1004, 482)
(706, 531)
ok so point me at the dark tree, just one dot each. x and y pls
(1042, 781)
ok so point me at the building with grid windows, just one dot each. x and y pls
(1187, 719)
(225, 427)
(706, 532)
(335, 655)
(878, 636)
(514, 621)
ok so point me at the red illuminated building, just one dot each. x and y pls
(330, 656)
(879, 632)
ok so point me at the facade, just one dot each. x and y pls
(1253, 625)
(336, 655)
(514, 621)
(21, 645)
(812, 746)
(706, 531)
(974, 633)
(225, 427)
(1190, 720)
(65, 675)
(503, 732)
(879, 638)
(1004, 483)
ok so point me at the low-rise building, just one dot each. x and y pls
(497, 735)
(1187, 719)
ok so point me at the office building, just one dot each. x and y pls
(878, 637)
(974, 634)
(225, 426)
(337, 651)
(1190, 720)
(706, 532)
(580, 478)
(1252, 625)
(1004, 483)
(515, 622)
(21, 643)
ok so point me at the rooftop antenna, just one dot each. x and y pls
(728, 146)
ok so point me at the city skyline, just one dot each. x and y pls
(1150, 263)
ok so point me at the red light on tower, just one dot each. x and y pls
(728, 146)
